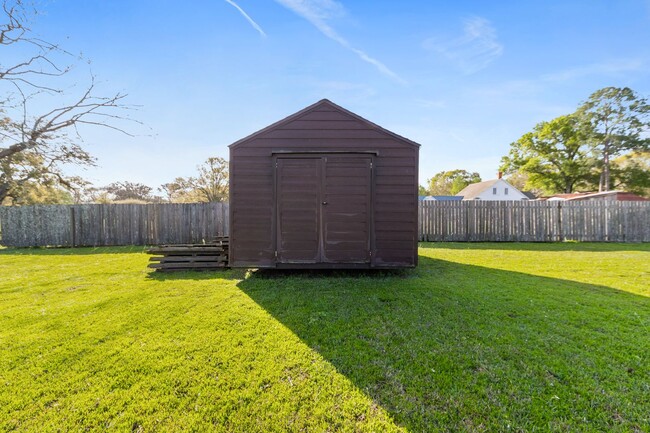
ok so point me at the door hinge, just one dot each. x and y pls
(369, 253)
(276, 254)
(370, 165)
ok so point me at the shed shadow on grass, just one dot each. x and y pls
(275, 274)
(456, 347)
(279, 274)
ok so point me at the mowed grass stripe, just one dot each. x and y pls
(480, 337)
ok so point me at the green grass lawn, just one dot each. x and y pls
(480, 337)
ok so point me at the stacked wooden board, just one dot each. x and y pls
(190, 257)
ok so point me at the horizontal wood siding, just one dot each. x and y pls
(251, 201)
(347, 209)
(395, 207)
(298, 196)
(394, 241)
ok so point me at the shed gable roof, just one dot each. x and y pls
(318, 106)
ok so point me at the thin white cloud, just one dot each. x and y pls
(458, 137)
(248, 18)
(339, 90)
(318, 13)
(474, 50)
(531, 88)
(609, 68)
(431, 103)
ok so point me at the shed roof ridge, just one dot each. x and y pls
(297, 115)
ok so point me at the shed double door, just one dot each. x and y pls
(323, 209)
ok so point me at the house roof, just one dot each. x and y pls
(566, 196)
(313, 107)
(475, 189)
(441, 197)
(620, 196)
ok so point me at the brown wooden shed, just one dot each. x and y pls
(323, 188)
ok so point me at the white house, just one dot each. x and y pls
(495, 189)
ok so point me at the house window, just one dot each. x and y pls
(505, 191)
(494, 191)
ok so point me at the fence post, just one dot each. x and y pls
(223, 219)
(559, 220)
(73, 226)
(466, 219)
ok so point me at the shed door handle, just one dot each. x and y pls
(324, 202)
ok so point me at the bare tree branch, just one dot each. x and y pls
(35, 146)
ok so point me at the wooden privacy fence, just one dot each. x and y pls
(533, 221)
(112, 224)
(473, 221)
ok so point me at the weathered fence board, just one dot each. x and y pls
(533, 221)
(477, 221)
(112, 224)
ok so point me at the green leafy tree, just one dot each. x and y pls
(451, 182)
(617, 121)
(36, 193)
(212, 181)
(92, 194)
(631, 172)
(554, 156)
(129, 191)
(20, 172)
(178, 191)
(422, 190)
(210, 185)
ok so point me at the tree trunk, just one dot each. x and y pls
(604, 183)
(568, 185)
(4, 192)
(8, 152)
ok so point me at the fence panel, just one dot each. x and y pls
(112, 224)
(533, 221)
(449, 221)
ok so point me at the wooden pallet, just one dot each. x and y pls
(188, 257)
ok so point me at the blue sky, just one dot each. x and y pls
(463, 78)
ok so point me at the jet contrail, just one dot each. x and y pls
(248, 18)
(317, 12)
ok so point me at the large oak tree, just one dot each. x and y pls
(617, 121)
(593, 147)
(554, 156)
